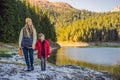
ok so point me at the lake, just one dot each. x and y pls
(105, 56)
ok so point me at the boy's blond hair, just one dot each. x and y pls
(41, 34)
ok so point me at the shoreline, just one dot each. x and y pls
(19, 60)
(91, 44)
(67, 72)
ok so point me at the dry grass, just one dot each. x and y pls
(82, 44)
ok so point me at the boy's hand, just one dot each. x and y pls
(45, 59)
(48, 55)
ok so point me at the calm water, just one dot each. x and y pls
(75, 55)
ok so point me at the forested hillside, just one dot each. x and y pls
(12, 19)
(57, 22)
(103, 27)
(82, 25)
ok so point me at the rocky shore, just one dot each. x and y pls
(13, 68)
(68, 72)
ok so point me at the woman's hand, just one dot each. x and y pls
(20, 48)
(33, 47)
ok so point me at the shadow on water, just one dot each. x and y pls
(53, 57)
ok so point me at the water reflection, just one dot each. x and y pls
(102, 56)
(88, 57)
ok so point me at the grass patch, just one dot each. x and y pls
(4, 55)
(3, 51)
(14, 53)
(18, 64)
(115, 72)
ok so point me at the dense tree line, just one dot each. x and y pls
(82, 25)
(12, 19)
(70, 24)
(104, 27)
(63, 17)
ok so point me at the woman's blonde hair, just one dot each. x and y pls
(28, 28)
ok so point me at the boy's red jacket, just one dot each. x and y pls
(39, 48)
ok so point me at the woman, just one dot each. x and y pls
(27, 41)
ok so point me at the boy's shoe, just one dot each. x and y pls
(32, 68)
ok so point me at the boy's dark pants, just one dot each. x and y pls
(43, 63)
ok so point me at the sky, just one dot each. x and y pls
(92, 5)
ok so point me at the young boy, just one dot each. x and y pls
(43, 48)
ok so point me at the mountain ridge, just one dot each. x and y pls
(44, 4)
(116, 9)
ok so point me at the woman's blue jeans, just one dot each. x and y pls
(29, 58)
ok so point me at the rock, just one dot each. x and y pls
(100, 78)
(68, 72)
(8, 69)
(71, 66)
(4, 79)
(13, 71)
(1, 70)
(54, 45)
